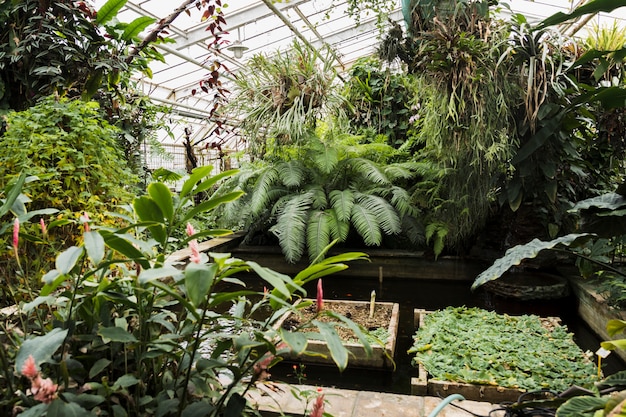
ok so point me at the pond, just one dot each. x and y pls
(429, 295)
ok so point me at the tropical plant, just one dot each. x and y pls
(121, 329)
(282, 96)
(328, 190)
(377, 101)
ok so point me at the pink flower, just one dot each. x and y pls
(260, 368)
(190, 230)
(43, 390)
(44, 229)
(29, 369)
(195, 251)
(320, 296)
(16, 232)
(318, 406)
(86, 221)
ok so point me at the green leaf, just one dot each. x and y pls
(235, 406)
(99, 366)
(28, 307)
(296, 341)
(198, 409)
(338, 351)
(94, 244)
(116, 334)
(162, 196)
(66, 260)
(109, 10)
(275, 279)
(59, 408)
(199, 279)
(590, 7)
(205, 206)
(515, 255)
(614, 344)
(36, 411)
(135, 27)
(125, 381)
(122, 245)
(12, 192)
(152, 274)
(210, 182)
(167, 407)
(197, 174)
(40, 347)
(581, 406)
(615, 326)
(149, 211)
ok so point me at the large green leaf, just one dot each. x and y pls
(60, 408)
(167, 271)
(515, 255)
(615, 326)
(296, 341)
(66, 260)
(197, 174)
(116, 334)
(40, 347)
(210, 182)
(149, 211)
(94, 244)
(109, 10)
(12, 192)
(277, 280)
(608, 201)
(162, 197)
(591, 7)
(583, 406)
(199, 279)
(208, 205)
(122, 244)
(337, 350)
(134, 28)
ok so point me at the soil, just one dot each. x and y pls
(358, 313)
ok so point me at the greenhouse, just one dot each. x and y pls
(313, 208)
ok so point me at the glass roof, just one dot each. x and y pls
(264, 27)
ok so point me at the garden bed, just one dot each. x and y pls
(488, 389)
(386, 318)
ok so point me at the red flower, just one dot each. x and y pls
(320, 296)
(29, 369)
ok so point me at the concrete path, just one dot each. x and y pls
(272, 399)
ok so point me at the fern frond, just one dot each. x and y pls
(318, 198)
(366, 224)
(401, 200)
(291, 173)
(326, 159)
(318, 233)
(266, 180)
(369, 170)
(385, 213)
(290, 227)
(342, 201)
(399, 171)
(413, 230)
(339, 229)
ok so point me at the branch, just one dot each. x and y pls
(152, 36)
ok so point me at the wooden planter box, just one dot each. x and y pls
(381, 357)
(423, 385)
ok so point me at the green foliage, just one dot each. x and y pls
(472, 345)
(124, 329)
(73, 153)
(328, 191)
(280, 97)
(378, 101)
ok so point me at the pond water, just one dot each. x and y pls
(429, 295)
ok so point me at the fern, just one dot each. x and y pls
(437, 231)
(318, 233)
(342, 202)
(260, 199)
(326, 159)
(291, 173)
(366, 225)
(339, 229)
(291, 224)
(386, 215)
(369, 170)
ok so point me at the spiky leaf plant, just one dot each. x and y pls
(332, 189)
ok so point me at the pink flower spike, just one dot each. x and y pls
(44, 390)
(16, 232)
(86, 221)
(318, 407)
(320, 296)
(195, 251)
(29, 369)
(44, 228)
(190, 230)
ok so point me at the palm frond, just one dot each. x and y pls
(400, 171)
(291, 224)
(291, 173)
(342, 201)
(369, 170)
(386, 215)
(266, 180)
(318, 233)
(366, 225)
